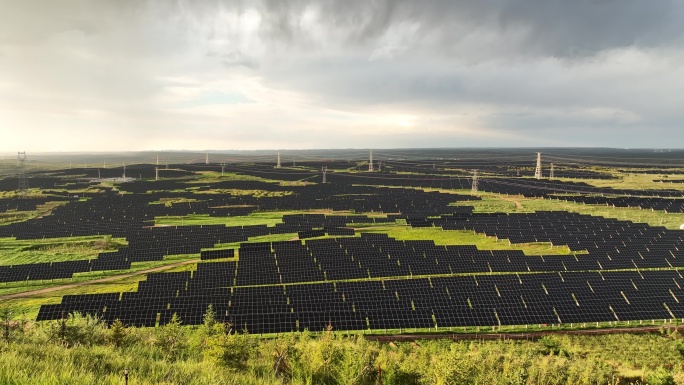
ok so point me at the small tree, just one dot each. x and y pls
(118, 333)
(77, 329)
(232, 351)
(211, 326)
(210, 317)
(171, 338)
(6, 320)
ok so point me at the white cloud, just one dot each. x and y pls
(294, 74)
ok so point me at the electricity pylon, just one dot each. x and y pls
(475, 182)
(23, 181)
(538, 171)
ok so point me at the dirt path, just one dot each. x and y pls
(520, 335)
(100, 280)
(518, 205)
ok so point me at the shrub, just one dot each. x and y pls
(76, 329)
(660, 376)
(171, 338)
(231, 351)
(118, 333)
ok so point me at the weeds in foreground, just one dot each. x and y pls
(82, 350)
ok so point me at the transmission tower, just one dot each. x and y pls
(278, 164)
(223, 168)
(324, 170)
(156, 173)
(23, 181)
(474, 186)
(551, 172)
(124, 170)
(537, 171)
(206, 160)
(370, 162)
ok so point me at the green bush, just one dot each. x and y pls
(118, 333)
(231, 351)
(76, 329)
(660, 376)
(86, 353)
(171, 338)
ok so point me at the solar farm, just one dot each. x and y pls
(412, 247)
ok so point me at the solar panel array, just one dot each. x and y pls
(377, 282)
(619, 270)
(481, 300)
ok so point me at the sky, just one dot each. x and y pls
(97, 75)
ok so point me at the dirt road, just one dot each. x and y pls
(518, 205)
(100, 280)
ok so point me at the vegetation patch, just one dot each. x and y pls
(18, 252)
(463, 237)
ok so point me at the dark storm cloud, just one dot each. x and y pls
(539, 27)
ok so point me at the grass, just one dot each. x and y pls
(9, 217)
(626, 180)
(30, 305)
(89, 353)
(215, 176)
(464, 237)
(168, 202)
(504, 203)
(260, 238)
(254, 193)
(269, 218)
(16, 252)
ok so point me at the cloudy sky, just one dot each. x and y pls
(196, 75)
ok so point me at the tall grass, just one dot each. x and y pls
(80, 350)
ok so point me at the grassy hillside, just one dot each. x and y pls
(81, 351)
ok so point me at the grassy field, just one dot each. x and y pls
(458, 237)
(15, 252)
(269, 218)
(634, 181)
(81, 351)
(30, 305)
(22, 216)
(504, 203)
(38, 353)
(214, 176)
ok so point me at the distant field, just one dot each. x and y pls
(14, 252)
(186, 190)
(501, 203)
